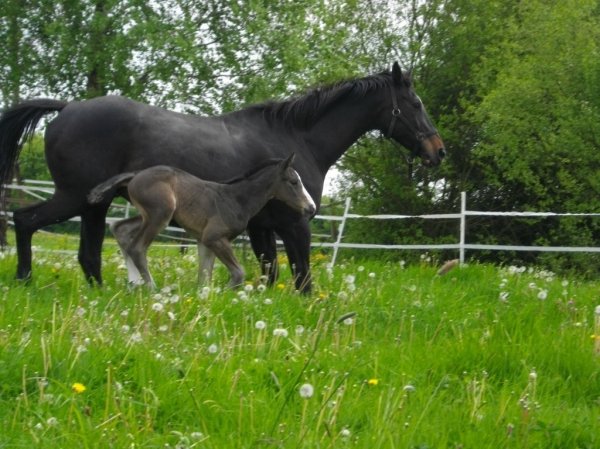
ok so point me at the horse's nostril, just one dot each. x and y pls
(442, 153)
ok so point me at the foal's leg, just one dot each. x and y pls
(206, 262)
(222, 249)
(124, 230)
(29, 219)
(151, 225)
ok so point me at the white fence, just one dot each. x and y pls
(41, 190)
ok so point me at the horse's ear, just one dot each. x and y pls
(399, 77)
(397, 73)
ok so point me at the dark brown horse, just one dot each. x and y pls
(91, 141)
(212, 213)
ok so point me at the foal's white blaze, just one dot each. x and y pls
(309, 198)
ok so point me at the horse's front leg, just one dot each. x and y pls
(264, 247)
(296, 240)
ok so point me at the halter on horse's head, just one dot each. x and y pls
(409, 123)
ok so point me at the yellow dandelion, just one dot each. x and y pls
(322, 295)
(281, 286)
(78, 387)
(373, 382)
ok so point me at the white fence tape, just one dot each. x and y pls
(41, 189)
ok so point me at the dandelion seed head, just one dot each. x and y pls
(52, 422)
(345, 433)
(260, 325)
(280, 332)
(306, 391)
(158, 307)
(213, 348)
(408, 388)
(542, 295)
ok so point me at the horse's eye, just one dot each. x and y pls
(294, 182)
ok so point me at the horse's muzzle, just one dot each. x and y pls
(432, 151)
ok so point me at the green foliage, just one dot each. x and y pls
(397, 357)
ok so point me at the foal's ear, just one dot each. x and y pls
(289, 161)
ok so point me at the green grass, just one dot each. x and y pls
(398, 358)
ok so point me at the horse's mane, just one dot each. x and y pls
(252, 171)
(304, 110)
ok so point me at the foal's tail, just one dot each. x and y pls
(99, 193)
(17, 125)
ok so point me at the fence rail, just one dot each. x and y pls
(40, 190)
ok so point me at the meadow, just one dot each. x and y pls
(380, 355)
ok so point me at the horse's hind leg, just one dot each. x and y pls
(29, 219)
(222, 249)
(93, 225)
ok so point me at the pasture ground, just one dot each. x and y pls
(378, 356)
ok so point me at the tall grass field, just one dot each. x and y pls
(379, 355)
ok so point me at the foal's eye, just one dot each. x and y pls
(294, 182)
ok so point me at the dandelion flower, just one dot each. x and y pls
(373, 382)
(280, 286)
(78, 387)
(212, 349)
(306, 391)
(260, 325)
(248, 288)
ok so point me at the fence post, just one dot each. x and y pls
(463, 225)
(340, 232)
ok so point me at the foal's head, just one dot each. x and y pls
(290, 190)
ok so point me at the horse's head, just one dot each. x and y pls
(291, 191)
(409, 123)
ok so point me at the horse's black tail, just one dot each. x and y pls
(17, 125)
(99, 193)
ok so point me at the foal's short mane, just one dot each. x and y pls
(252, 171)
(305, 110)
